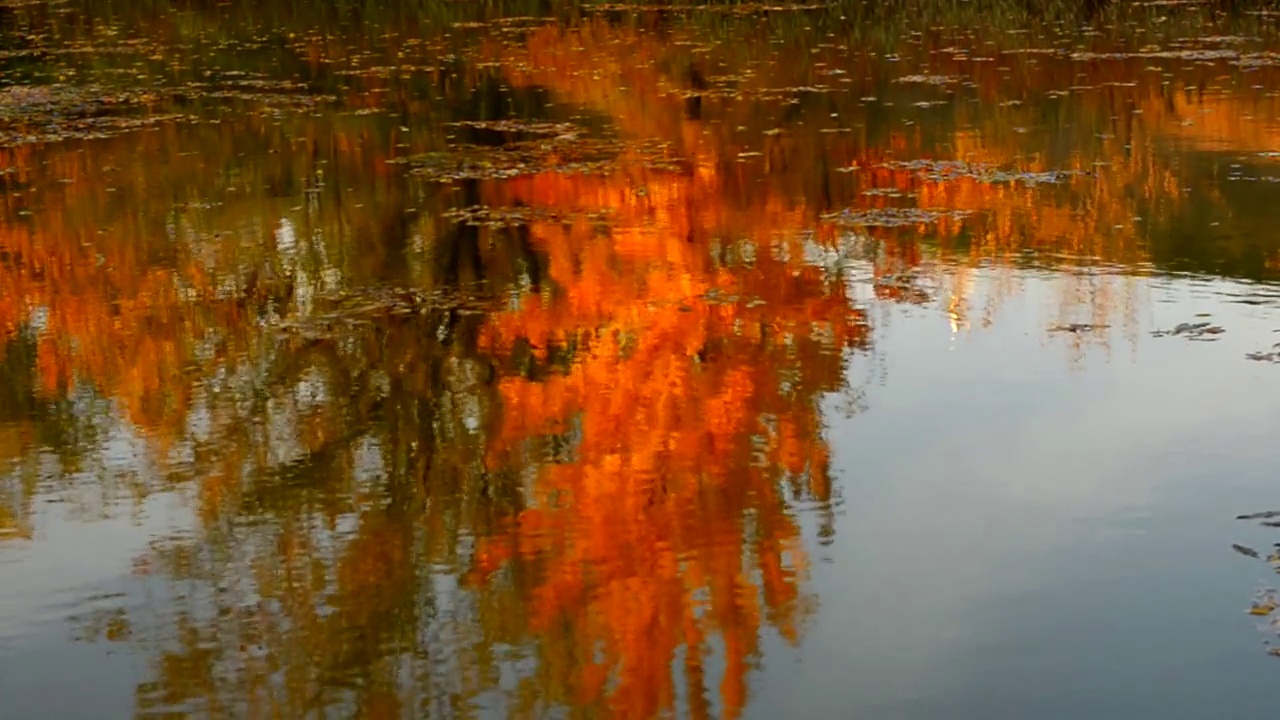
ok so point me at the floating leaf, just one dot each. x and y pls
(1259, 515)
(1245, 550)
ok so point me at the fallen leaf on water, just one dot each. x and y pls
(1191, 331)
(1077, 327)
(1259, 515)
(1265, 604)
(1245, 550)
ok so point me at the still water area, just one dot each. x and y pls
(549, 359)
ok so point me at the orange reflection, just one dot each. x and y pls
(689, 402)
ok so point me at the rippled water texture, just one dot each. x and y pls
(543, 359)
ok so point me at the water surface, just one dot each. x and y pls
(551, 359)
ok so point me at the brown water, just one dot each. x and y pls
(462, 360)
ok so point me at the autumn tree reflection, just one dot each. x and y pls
(668, 400)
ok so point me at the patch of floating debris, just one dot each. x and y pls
(370, 306)
(1077, 328)
(927, 79)
(51, 113)
(1233, 57)
(520, 127)
(1192, 331)
(731, 8)
(506, 216)
(1265, 601)
(945, 170)
(562, 154)
(260, 91)
(893, 217)
(1269, 356)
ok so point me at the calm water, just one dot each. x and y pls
(539, 359)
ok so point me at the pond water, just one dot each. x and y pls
(549, 359)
